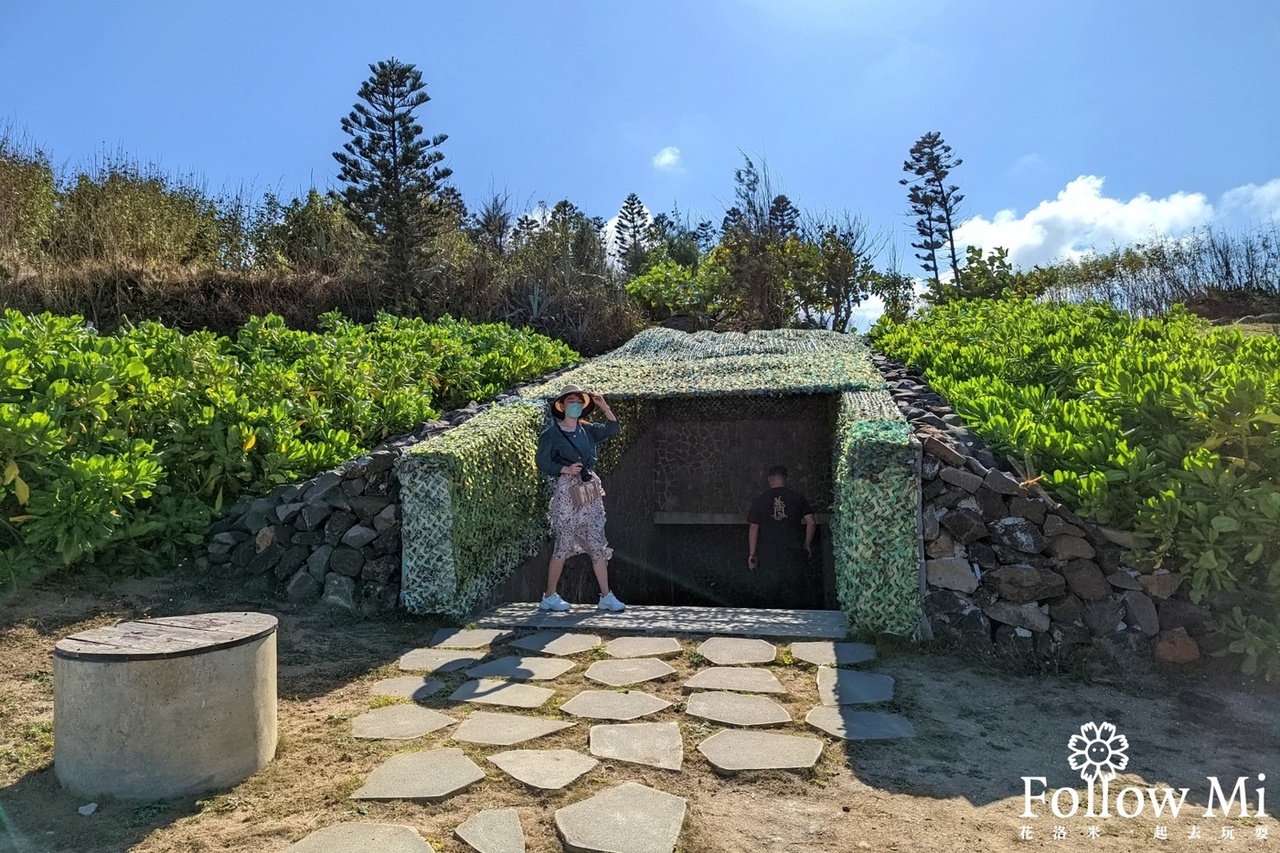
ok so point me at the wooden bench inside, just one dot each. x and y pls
(717, 518)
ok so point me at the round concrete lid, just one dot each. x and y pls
(166, 637)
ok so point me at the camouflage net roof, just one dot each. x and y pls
(660, 363)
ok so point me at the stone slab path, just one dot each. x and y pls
(833, 654)
(438, 660)
(522, 667)
(398, 722)
(859, 725)
(489, 691)
(613, 705)
(740, 678)
(640, 647)
(492, 831)
(628, 818)
(467, 638)
(654, 744)
(733, 651)
(733, 750)
(620, 673)
(361, 838)
(736, 709)
(848, 687)
(545, 769)
(415, 687)
(640, 619)
(427, 776)
(504, 729)
(558, 643)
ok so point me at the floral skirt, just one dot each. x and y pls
(578, 529)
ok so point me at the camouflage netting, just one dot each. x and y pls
(874, 520)
(664, 363)
(474, 507)
(474, 504)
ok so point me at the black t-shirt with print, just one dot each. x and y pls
(780, 513)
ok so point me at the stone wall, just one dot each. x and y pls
(335, 537)
(1007, 564)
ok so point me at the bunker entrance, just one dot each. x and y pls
(679, 482)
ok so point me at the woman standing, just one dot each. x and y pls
(567, 451)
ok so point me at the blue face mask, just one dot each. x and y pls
(573, 410)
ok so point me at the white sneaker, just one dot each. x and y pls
(611, 603)
(554, 602)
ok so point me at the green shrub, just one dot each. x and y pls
(1158, 424)
(122, 446)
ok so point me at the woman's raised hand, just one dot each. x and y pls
(572, 470)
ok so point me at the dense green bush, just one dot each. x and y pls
(121, 446)
(1158, 424)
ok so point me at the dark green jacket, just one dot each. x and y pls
(555, 453)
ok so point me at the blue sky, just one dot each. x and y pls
(1080, 123)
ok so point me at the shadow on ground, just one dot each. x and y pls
(979, 731)
(319, 650)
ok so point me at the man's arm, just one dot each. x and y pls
(810, 527)
(753, 531)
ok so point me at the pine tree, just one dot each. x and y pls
(630, 235)
(935, 203)
(393, 182)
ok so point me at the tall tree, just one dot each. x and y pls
(933, 201)
(629, 238)
(838, 272)
(752, 249)
(393, 180)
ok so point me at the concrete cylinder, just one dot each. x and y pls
(160, 709)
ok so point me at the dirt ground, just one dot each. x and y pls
(981, 726)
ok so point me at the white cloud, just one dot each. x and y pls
(1082, 218)
(1253, 200)
(668, 160)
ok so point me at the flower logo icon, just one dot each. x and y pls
(1098, 751)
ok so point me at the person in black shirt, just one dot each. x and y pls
(780, 534)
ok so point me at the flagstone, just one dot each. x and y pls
(736, 749)
(740, 678)
(492, 831)
(522, 667)
(431, 775)
(620, 673)
(847, 687)
(557, 643)
(654, 744)
(732, 651)
(736, 709)
(361, 838)
(467, 638)
(827, 653)
(643, 647)
(438, 660)
(415, 687)
(398, 722)
(547, 769)
(614, 705)
(489, 691)
(628, 818)
(859, 725)
(498, 729)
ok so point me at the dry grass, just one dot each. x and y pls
(954, 787)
